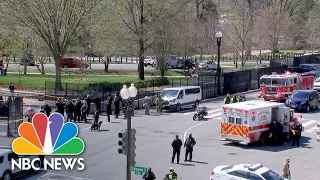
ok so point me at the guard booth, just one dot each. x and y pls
(11, 114)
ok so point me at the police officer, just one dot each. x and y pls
(190, 142)
(176, 145)
(147, 105)
(296, 130)
(159, 103)
(171, 175)
(109, 107)
(227, 99)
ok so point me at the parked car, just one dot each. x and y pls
(303, 100)
(150, 61)
(207, 65)
(316, 84)
(72, 63)
(33, 63)
(6, 156)
(310, 67)
(297, 70)
(244, 171)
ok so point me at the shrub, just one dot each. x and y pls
(116, 86)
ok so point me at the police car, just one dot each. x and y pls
(244, 171)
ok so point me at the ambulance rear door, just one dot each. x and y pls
(284, 115)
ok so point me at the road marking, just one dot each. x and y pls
(55, 174)
(185, 133)
(311, 130)
(308, 123)
(214, 115)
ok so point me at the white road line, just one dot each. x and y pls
(185, 133)
(214, 115)
(312, 130)
(308, 123)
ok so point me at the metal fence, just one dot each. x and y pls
(11, 114)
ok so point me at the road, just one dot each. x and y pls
(129, 66)
(154, 137)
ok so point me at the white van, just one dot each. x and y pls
(6, 154)
(178, 98)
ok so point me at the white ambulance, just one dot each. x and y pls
(248, 122)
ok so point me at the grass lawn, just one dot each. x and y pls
(39, 80)
(99, 71)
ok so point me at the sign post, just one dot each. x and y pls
(139, 170)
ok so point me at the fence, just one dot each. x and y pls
(11, 114)
(307, 59)
(232, 82)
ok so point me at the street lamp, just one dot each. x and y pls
(219, 35)
(126, 94)
(90, 54)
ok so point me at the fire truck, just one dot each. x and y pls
(248, 122)
(280, 86)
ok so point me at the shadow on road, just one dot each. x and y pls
(304, 143)
(185, 164)
(199, 162)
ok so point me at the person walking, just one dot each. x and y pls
(296, 132)
(97, 103)
(69, 111)
(109, 107)
(147, 104)
(188, 144)
(96, 115)
(286, 169)
(84, 109)
(11, 88)
(77, 110)
(149, 175)
(171, 175)
(88, 100)
(117, 105)
(159, 103)
(176, 146)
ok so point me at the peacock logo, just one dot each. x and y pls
(48, 136)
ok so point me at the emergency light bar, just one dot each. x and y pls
(255, 167)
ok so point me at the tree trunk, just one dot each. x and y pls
(198, 9)
(58, 86)
(251, 16)
(141, 59)
(106, 65)
(25, 68)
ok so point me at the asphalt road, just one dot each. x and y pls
(154, 137)
(128, 66)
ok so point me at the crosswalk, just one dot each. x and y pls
(214, 113)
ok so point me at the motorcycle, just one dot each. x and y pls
(200, 113)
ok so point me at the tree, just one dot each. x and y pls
(313, 27)
(140, 18)
(57, 23)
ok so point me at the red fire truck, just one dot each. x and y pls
(280, 86)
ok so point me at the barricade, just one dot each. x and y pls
(11, 114)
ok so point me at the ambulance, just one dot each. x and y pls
(248, 122)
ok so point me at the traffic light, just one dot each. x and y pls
(123, 143)
(133, 147)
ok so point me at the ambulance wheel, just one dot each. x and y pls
(262, 140)
(194, 117)
(308, 108)
(267, 99)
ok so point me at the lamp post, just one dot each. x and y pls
(90, 54)
(219, 35)
(126, 94)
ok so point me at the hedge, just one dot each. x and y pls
(116, 86)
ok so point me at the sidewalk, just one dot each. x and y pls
(21, 91)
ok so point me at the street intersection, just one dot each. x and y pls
(153, 148)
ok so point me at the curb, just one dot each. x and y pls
(221, 97)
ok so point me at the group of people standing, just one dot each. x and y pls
(278, 135)
(147, 103)
(235, 98)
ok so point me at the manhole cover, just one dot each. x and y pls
(56, 177)
(233, 154)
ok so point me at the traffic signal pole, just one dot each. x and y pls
(129, 156)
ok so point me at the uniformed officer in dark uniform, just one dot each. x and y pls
(190, 142)
(296, 131)
(176, 145)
